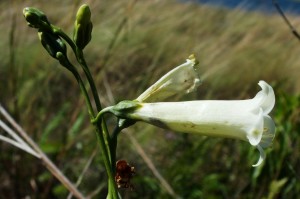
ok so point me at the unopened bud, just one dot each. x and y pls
(83, 27)
(52, 43)
(83, 15)
(35, 18)
(63, 60)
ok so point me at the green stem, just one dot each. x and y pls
(100, 114)
(112, 189)
(98, 122)
(87, 98)
(99, 119)
(101, 129)
(65, 62)
(114, 144)
(80, 58)
(107, 140)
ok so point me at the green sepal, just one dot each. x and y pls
(52, 43)
(124, 108)
(125, 123)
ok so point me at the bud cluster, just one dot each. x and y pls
(50, 41)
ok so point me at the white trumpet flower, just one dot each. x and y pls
(246, 120)
(182, 79)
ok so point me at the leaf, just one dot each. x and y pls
(275, 187)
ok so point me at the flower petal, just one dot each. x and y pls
(254, 135)
(180, 80)
(269, 132)
(262, 156)
(265, 98)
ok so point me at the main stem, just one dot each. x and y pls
(113, 145)
(112, 189)
(101, 129)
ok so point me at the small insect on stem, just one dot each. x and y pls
(124, 173)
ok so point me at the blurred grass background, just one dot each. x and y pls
(133, 44)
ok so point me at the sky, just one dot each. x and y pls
(292, 6)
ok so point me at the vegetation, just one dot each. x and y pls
(133, 44)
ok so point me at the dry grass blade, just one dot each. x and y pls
(48, 163)
(151, 166)
(17, 141)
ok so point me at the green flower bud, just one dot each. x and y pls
(35, 18)
(83, 15)
(83, 27)
(52, 43)
(63, 60)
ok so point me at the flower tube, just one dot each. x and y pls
(246, 120)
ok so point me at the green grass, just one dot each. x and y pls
(235, 48)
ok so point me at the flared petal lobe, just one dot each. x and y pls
(265, 98)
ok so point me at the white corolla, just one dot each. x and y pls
(246, 120)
